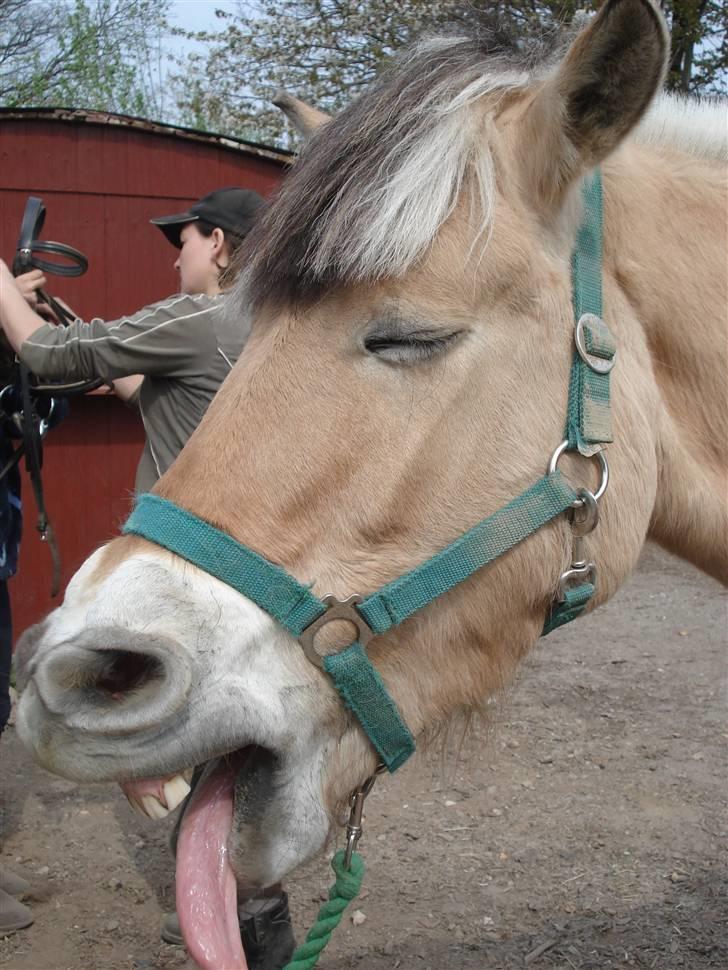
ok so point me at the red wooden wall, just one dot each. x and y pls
(101, 183)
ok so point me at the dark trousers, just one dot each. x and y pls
(6, 644)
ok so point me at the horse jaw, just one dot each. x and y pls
(222, 676)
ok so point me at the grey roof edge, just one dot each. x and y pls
(87, 116)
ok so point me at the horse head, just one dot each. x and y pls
(406, 376)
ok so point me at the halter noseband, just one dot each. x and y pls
(295, 607)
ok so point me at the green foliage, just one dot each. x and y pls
(109, 55)
(699, 54)
(326, 51)
(97, 54)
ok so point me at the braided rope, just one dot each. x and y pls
(345, 889)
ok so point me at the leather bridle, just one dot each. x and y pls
(30, 406)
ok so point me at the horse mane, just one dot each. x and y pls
(695, 126)
(374, 185)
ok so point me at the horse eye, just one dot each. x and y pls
(408, 348)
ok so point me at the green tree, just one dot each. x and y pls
(326, 51)
(99, 54)
(699, 49)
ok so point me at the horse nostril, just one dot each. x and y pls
(107, 676)
(122, 672)
(97, 683)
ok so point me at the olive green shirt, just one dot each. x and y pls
(184, 346)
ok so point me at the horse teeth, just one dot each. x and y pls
(175, 791)
(152, 807)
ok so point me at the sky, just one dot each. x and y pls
(199, 14)
(193, 15)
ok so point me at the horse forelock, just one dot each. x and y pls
(373, 187)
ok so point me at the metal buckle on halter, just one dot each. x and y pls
(601, 365)
(336, 610)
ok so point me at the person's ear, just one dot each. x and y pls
(219, 246)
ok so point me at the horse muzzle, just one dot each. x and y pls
(99, 687)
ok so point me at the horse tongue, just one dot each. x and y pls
(206, 886)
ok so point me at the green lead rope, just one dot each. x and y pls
(345, 889)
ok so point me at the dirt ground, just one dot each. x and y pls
(586, 830)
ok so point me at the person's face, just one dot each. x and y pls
(197, 261)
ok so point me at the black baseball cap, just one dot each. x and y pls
(232, 209)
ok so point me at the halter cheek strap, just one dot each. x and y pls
(589, 421)
(302, 613)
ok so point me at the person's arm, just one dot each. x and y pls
(16, 317)
(173, 338)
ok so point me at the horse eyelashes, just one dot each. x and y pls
(408, 348)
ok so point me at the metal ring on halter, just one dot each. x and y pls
(603, 467)
(337, 610)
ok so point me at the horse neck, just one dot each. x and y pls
(665, 249)
(666, 246)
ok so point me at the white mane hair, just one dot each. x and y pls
(440, 142)
(374, 185)
(699, 127)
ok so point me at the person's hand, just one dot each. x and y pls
(44, 311)
(17, 318)
(29, 284)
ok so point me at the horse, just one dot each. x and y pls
(406, 378)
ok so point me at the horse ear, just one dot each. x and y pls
(597, 94)
(304, 118)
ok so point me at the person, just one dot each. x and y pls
(169, 358)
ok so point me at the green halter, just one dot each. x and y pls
(295, 607)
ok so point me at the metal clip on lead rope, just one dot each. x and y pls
(354, 827)
(583, 520)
